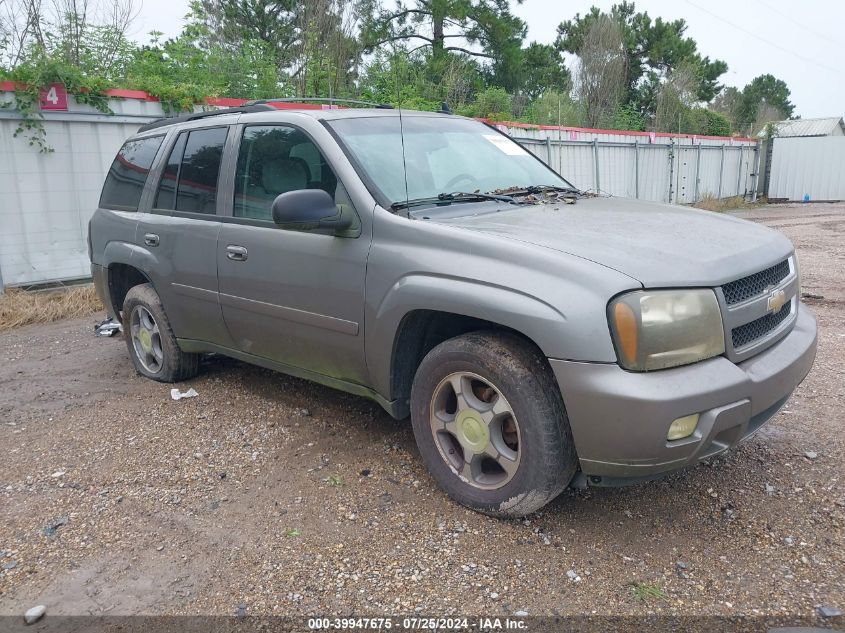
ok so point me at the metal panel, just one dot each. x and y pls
(679, 169)
(46, 200)
(814, 167)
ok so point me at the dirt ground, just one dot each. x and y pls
(270, 495)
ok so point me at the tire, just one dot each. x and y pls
(155, 354)
(535, 462)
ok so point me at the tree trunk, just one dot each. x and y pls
(437, 44)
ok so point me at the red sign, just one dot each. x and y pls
(54, 97)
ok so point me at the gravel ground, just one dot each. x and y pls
(270, 495)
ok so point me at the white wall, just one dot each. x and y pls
(813, 166)
(46, 200)
(658, 168)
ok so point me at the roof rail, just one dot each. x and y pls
(193, 116)
(331, 101)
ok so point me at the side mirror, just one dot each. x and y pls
(308, 209)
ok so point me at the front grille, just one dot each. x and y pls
(753, 285)
(757, 329)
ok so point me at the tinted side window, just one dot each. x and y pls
(189, 181)
(275, 159)
(128, 174)
(166, 195)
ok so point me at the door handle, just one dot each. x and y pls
(151, 239)
(236, 253)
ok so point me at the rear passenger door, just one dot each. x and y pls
(295, 297)
(178, 236)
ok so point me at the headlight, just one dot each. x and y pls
(666, 328)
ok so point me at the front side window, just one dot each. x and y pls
(190, 178)
(128, 174)
(275, 159)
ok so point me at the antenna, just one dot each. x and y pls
(401, 127)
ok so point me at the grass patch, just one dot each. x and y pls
(24, 307)
(645, 591)
(720, 205)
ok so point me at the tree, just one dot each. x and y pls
(765, 94)
(227, 23)
(543, 69)
(445, 25)
(653, 49)
(327, 51)
(601, 71)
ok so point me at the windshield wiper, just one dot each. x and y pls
(450, 197)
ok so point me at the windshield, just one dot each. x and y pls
(441, 155)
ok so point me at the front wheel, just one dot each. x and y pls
(490, 424)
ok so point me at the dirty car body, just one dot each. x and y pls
(613, 294)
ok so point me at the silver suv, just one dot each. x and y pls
(537, 337)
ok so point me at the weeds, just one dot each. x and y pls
(720, 205)
(645, 591)
(23, 307)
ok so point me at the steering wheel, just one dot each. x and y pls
(457, 179)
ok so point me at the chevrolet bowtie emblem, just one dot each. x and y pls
(776, 300)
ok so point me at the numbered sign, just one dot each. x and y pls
(54, 97)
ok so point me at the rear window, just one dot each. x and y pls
(128, 174)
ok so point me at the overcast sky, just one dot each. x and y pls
(802, 43)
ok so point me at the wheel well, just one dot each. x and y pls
(122, 277)
(421, 331)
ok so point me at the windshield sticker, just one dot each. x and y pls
(506, 145)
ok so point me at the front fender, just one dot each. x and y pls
(558, 333)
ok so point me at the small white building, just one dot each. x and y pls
(827, 126)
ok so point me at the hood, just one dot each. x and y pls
(656, 244)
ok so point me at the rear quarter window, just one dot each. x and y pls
(128, 174)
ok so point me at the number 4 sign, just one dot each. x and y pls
(54, 97)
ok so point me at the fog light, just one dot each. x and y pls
(682, 427)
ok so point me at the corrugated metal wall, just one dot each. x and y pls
(811, 166)
(46, 200)
(678, 169)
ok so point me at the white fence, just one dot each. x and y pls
(46, 200)
(808, 166)
(664, 168)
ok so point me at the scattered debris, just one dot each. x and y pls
(829, 612)
(811, 455)
(573, 576)
(109, 327)
(810, 295)
(34, 614)
(175, 394)
(50, 529)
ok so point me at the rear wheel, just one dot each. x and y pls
(490, 424)
(152, 345)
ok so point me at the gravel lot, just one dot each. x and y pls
(270, 495)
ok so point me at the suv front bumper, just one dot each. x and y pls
(620, 419)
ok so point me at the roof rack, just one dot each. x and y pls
(330, 101)
(252, 107)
